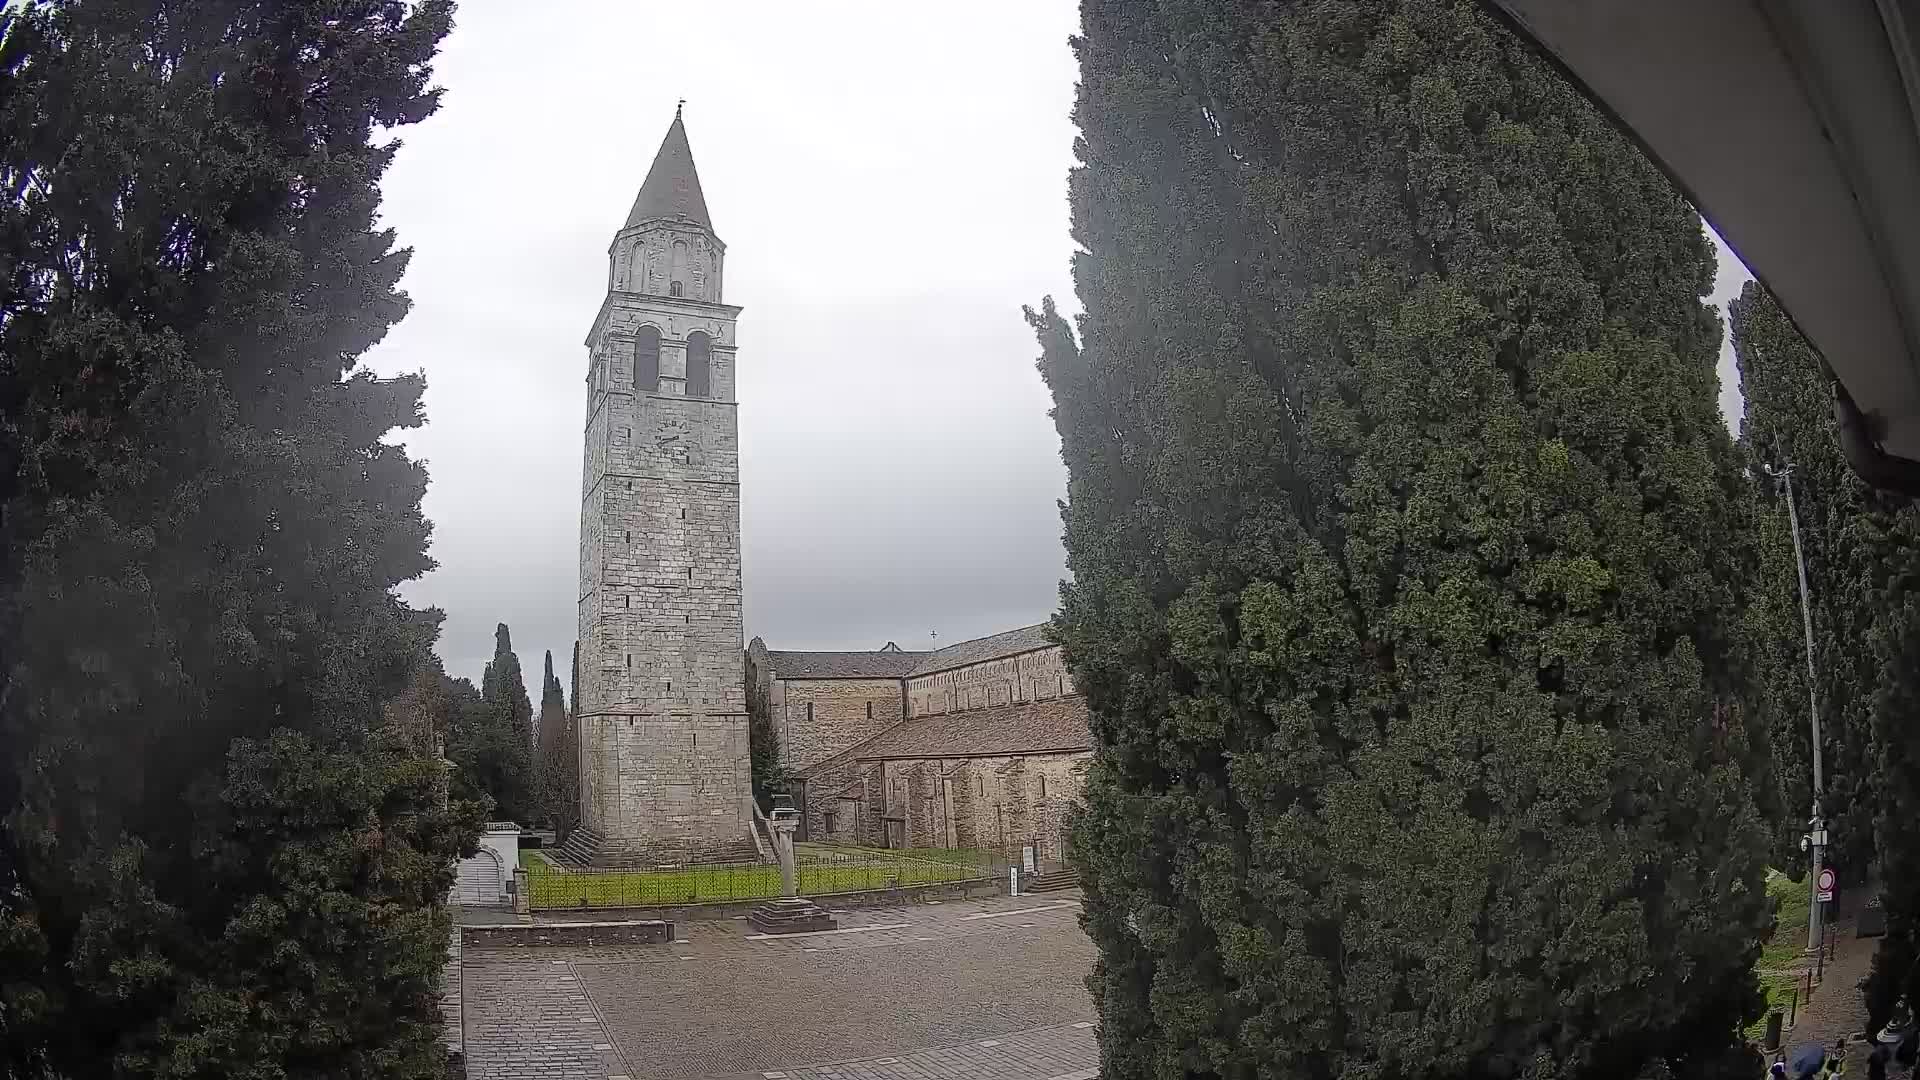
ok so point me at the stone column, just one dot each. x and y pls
(790, 914)
(782, 825)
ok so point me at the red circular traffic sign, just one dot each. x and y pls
(1826, 879)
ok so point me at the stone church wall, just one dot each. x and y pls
(996, 804)
(818, 718)
(1028, 676)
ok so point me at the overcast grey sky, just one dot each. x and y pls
(890, 181)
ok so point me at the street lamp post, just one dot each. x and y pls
(1816, 829)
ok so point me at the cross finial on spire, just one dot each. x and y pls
(676, 109)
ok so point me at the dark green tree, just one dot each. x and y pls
(502, 685)
(765, 773)
(504, 746)
(1407, 554)
(552, 697)
(556, 769)
(1862, 551)
(491, 764)
(217, 859)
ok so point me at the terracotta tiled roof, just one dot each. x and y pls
(1029, 727)
(979, 650)
(882, 664)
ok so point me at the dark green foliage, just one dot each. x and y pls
(216, 859)
(1862, 552)
(493, 744)
(556, 767)
(767, 776)
(490, 764)
(502, 686)
(1855, 541)
(1407, 559)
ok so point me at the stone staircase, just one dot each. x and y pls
(1050, 881)
(581, 846)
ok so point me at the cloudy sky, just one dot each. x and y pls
(890, 181)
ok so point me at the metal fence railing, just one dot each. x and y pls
(823, 871)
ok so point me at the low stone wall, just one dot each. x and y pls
(597, 932)
(871, 898)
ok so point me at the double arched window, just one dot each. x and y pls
(646, 360)
(699, 365)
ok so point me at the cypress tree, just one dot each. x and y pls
(555, 767)
(1406, 561)
(1862, 552)
(503, 741)
(765, 773)
(503, 687)
(551, 696)
(219, 859)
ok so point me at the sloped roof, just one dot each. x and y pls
(1029, 727)
(882, 664)
(672, 187)
(979, 650)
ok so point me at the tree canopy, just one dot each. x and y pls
(1407, 562)
(1863, 579)
(556, 766)
(218, 857)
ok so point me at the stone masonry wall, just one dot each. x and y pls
(1029, 676)
(997, 804)
(843, 713)
(663, 727)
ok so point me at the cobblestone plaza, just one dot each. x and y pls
(993, 989)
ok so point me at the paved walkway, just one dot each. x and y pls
(1049, 1053)
(454, 1030)
(1836, 1010)
(986, 988)
(532, 1020)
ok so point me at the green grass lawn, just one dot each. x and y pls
(822, 873)
(1782, 956)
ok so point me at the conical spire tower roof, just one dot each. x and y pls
(672, 187)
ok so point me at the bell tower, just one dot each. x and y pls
(662, 709)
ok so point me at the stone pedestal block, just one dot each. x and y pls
(790, 915)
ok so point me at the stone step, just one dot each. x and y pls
(1051, 881)
(582, 845)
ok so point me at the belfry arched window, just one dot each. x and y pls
(646, 360)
